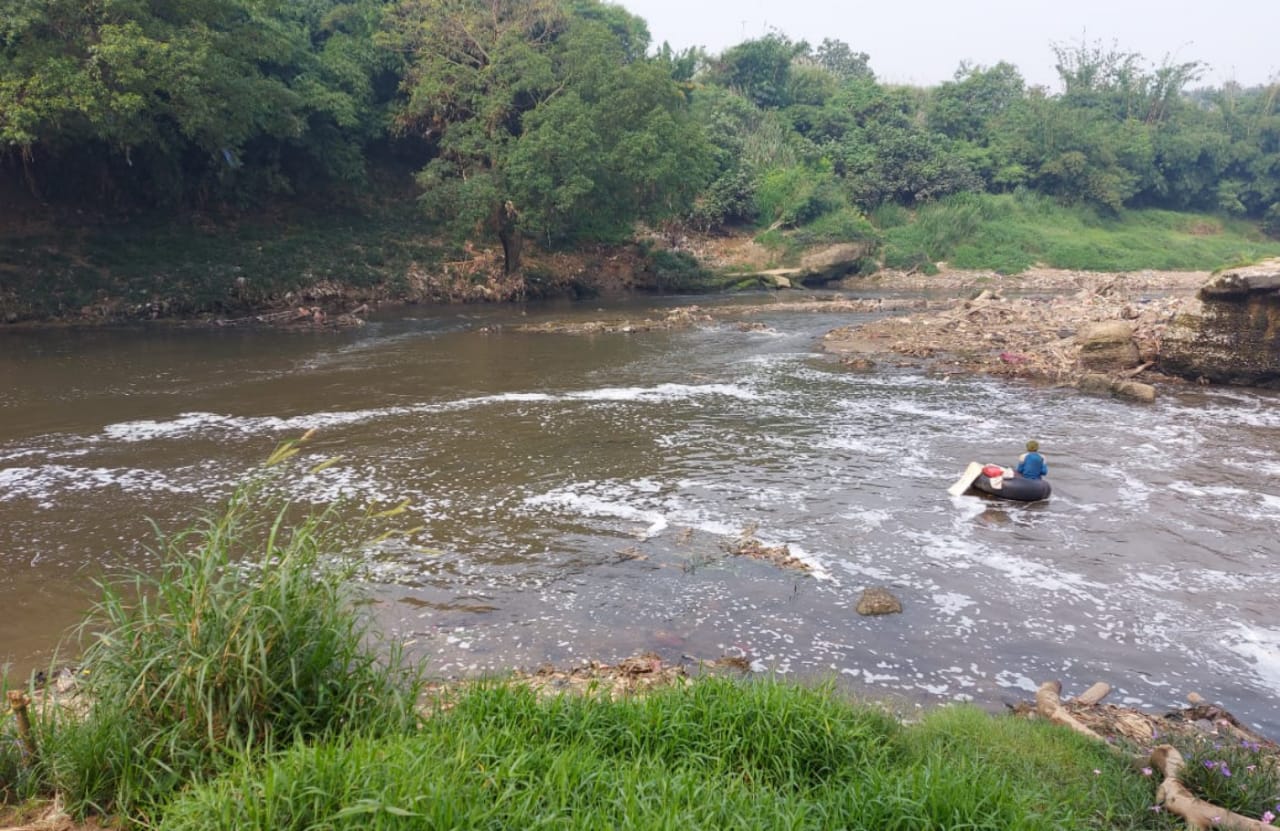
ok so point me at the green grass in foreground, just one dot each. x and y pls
(710, 754)
(1009, 233)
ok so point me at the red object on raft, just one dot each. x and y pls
(992, 471)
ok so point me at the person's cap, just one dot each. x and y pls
(1033, 445)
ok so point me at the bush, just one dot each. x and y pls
(845, 225)
(1011, 232)
(1271, 221)
(676, 270)
(790, 196)
(1231, 775)
(244, 640)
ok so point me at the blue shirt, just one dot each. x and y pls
(1032, 466)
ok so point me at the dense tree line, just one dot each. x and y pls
(557, 120)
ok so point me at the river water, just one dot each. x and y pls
(576, 494)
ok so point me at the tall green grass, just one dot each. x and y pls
(244, 640)
(709, 754)
(1009, 233)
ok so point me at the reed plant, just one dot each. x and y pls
(712, 753)
(245, 639)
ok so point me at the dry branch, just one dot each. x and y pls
(1094, 694)
(1049, 705)
(1174, 796)
(1178, 799)
(18, 702)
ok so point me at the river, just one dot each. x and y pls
(576, 494)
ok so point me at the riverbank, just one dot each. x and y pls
(1055, 762)
(300, 266)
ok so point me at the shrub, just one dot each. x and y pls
(676, 270)
(1231, 775)
(245, 639)
(1271, 221)
(790, 196)
(845, 225)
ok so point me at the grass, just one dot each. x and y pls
(245, 640)
(1009, 233)
(713, 753)
(1231, 775)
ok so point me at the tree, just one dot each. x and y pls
(168, 100)
(759, 69)
(547, 119)
(838, 58)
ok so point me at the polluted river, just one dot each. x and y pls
(577, 497)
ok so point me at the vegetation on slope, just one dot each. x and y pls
(1009, 233)
(557, 123)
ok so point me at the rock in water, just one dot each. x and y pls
(1231, 334)
(878, 601)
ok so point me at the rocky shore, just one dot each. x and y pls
(1101, 332)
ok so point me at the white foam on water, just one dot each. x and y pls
(952, 603)
(44, 483)
(870, 519)
(872, 572)
(346, 484)
(856, 443)
(21, 453)
(1252, 412)
(609, 499)
(817, 568)
(1261, 648)
(1015, 681)
(197, 423)
(664, 392)
(1018, 570)
(931, 415)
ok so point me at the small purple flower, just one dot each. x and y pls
(1146, 771)
(1226, 771)
(1268, 817)
(1155, 808)
(1210, 764)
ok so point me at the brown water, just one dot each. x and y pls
(577, 492)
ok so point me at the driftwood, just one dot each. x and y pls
(1178, 799)
(1174, 796)
(1094, 694)
(18, 702)
(1049, 705)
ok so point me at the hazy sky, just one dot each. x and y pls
(922, 42)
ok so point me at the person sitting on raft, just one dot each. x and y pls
(1031, 465)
